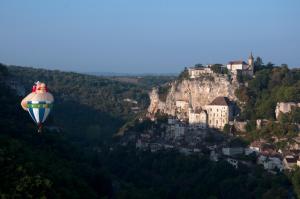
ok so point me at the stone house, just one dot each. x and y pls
(255, 146)
(296, 143)
(285, 107)
(214, 115)
(195, 72)
(219, 112)
(198, 118)
(289, 162)
(181, 105)
(242, 67)
(270, 161)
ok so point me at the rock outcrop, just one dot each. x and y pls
(197, 92)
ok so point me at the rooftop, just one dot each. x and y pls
(256, 144)
(199, 110)
(291, 159)
(199, 68)
(220, 101)
(237, 62)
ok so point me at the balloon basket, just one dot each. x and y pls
(40, 128)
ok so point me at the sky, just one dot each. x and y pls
(153, 36)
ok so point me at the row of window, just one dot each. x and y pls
(223, 108)
(217, 121)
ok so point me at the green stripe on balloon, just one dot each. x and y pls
(39, 105)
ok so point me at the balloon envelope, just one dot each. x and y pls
(26, 99)
(38, 103)
(39, 110)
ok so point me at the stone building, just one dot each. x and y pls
(236, 67)
(215, 115)
(176, 130)
(181, 105)
(285, 107)
(195, 72)
(219, 112)
(290, 162)
(198, 118)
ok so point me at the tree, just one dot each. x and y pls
(3, 70)
(258, 64)
(295, 115)
(283, 118)
(242, 94)
(199, 66)
(227, 128)
(217, 68)
(296, 181)
(270, 65)
(184, 74)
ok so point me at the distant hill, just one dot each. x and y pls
(85, 104)
(112, 74)
(145, 80)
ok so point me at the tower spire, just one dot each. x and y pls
(251, 60)
(251, 56)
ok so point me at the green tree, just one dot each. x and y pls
(295, 115)
(217, 68)
(258, 64)
(184, 74)
(199, 66)
(227, 128)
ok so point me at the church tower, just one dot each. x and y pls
(251, 65)
(251, 61)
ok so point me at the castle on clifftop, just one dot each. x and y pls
(234, 67)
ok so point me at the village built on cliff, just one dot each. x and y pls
(205, 99)
(220, 111)
(234, 67)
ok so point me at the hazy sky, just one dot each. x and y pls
(138, 36)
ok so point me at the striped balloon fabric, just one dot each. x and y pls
(39, 110)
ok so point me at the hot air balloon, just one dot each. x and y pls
(38, 103)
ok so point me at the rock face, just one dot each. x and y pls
(197, 92)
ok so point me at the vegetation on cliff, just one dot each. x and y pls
(217, 68)
(183, 75)
(270, 85)
(163, 92)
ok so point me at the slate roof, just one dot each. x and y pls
(237, 62)
(291, 159)
(220, 101)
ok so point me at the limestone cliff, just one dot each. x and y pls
(199, 92)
